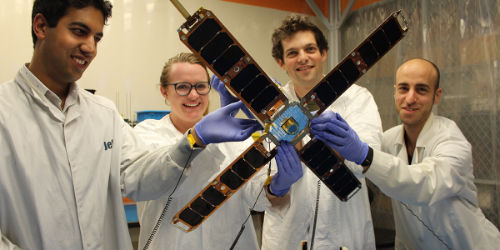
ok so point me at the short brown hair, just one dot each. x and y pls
(179, 58)
(291, 25)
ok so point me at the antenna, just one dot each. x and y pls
(181, 9)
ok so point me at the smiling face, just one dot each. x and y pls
(186, 110)
(63, 53)
(415, 92)
(302, 60)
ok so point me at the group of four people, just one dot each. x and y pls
(68, 158)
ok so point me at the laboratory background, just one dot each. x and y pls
(461, 36)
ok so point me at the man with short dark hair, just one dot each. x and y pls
(426, 168)
(67, 156)
(300, 48)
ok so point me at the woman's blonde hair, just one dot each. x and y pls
(179, 58)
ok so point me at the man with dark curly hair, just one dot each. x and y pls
(300, 48)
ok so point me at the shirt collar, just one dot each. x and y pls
(72, 97)
(33, 84)
(44, 93)
(421, 136)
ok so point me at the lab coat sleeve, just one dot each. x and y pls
(361, 113)
(437, 177)
(363, 116)
(159, 133)
(5, 243)
(146, 173)
(200, 171)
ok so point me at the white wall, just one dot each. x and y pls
(140, 37)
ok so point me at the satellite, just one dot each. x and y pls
(205, 35)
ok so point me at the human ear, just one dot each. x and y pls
(437, 95)
(40, 26)
(163, 91)
(323, 55)
(280, 63)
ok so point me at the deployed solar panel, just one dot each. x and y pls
(207, 38)
(357, 63)
(328, 167)
(223, 186)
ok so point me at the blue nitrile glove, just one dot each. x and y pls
(289, 169)
(331, 128)
(226, 97)
(222, 126)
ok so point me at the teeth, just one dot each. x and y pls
(192, 105)
(304, 68)
(80, 61)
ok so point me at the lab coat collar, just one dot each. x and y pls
(45, 97)
(71, 107)
(423, 137)
(31, 84)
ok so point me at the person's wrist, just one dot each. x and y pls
(194, 139)
(199, 139)
(364, 153)
(368, 160)
(277, 193)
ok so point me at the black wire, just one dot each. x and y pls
(425, 225)
(250, 213)
(162, 215)
(237, 237)
(315, 215)
(244, 222)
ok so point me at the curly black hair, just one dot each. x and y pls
(53, 10)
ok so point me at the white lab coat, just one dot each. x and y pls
(63, 172)
(219, 230)
(339, 223)
(438, 187)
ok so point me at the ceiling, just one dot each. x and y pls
(301, 6)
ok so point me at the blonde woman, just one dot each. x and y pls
(185, 86)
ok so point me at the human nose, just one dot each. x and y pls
(192, 92)
(89, 46)
(302, 57)
(411, 97)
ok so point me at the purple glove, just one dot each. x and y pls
(289, 169)
(331, 128)
(226, 97)
(222, 126)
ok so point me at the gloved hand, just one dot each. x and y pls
(289, 169)
(222, 126)
(226, 97)
(331, 128)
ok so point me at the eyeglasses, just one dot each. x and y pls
(184, 88)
